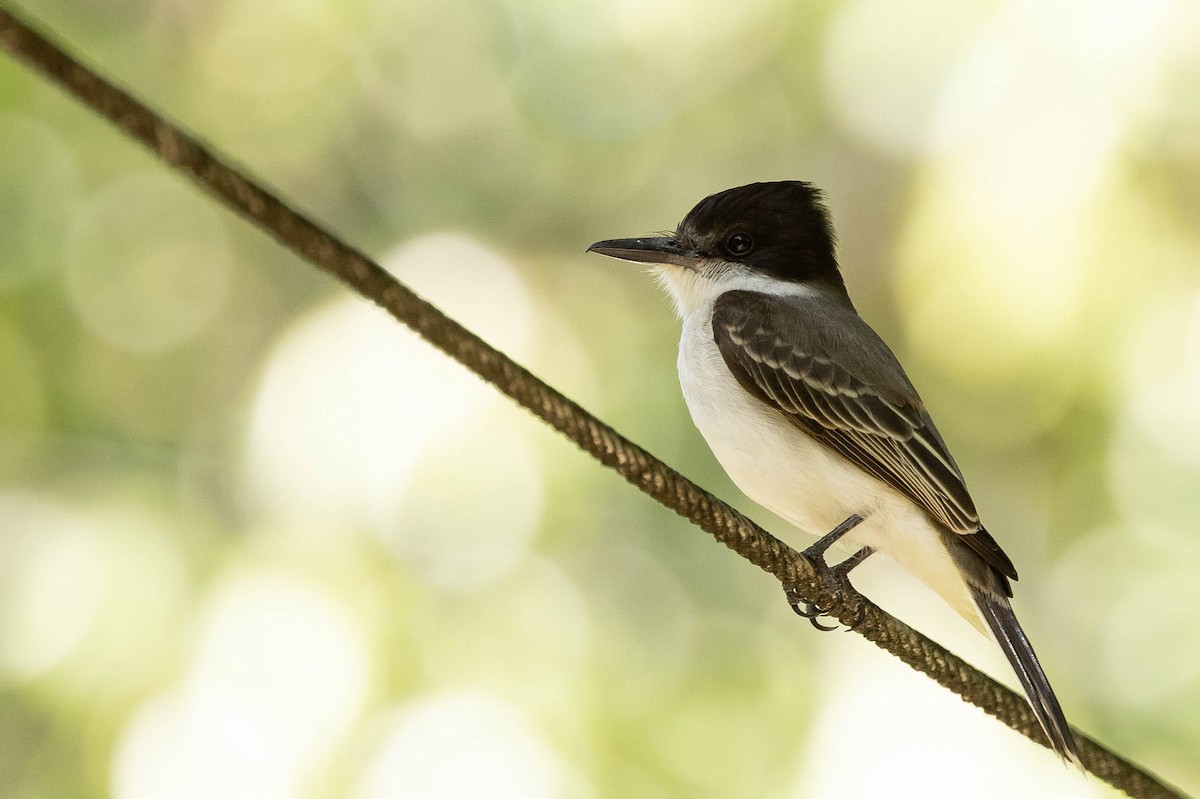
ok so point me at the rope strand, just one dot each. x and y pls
(322, 249)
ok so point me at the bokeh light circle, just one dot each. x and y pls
(148, 263)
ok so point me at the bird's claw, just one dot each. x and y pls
(860, 615)
(837, 580)
(808, 611)
(802, 607)
(825, 628)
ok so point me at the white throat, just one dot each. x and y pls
(695, 289)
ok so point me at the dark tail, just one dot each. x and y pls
(1003, 622)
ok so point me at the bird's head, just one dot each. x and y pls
(769, 236)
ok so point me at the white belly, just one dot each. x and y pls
(791, 474)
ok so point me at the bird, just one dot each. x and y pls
(812, 416)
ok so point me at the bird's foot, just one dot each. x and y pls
(836, 579)
(839, 586)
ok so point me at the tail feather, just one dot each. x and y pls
(1000, 618)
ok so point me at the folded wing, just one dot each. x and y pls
(851, 394)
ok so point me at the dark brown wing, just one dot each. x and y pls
(834, 378)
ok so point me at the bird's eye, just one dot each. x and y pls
(739, 244)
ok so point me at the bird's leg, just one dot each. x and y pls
(844, 568)
(834, 576)
(816, 552)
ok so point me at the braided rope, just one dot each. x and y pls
(322, 249)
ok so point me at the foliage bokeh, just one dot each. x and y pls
(256, 540)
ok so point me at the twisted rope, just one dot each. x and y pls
(322, 249)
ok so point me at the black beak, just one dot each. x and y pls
(658, 250)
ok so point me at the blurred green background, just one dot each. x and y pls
(256, 540)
